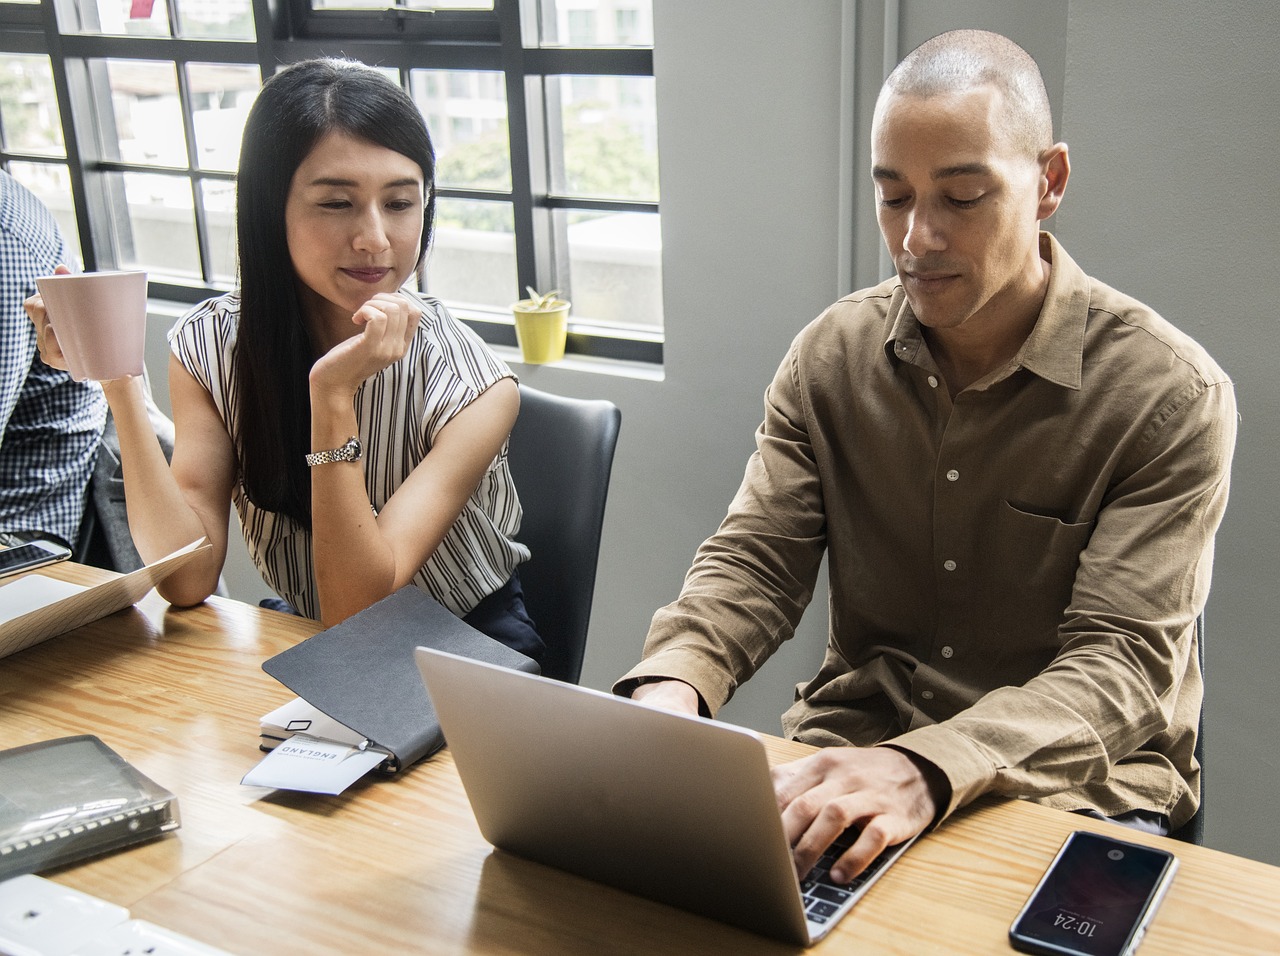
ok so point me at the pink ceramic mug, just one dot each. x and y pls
(100, 319)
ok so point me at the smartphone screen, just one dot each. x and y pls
(34, 554)
(1095, 899)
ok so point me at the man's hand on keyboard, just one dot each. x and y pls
(886, 793)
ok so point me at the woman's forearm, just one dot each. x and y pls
(354, 565)
(161, 519)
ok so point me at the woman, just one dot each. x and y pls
(359, 429)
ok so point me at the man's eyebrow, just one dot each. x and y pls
(947, 172)
(963, 169)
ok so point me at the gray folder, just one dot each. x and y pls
(362, 672)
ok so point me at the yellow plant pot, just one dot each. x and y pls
(541, 332)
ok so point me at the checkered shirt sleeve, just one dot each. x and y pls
(50, 425)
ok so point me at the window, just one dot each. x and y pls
(125, 116)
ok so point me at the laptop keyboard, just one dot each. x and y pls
(825, 900)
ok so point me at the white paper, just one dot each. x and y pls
(53, 615)
(31, 593)
(313, 765)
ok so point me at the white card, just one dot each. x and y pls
(314, 765)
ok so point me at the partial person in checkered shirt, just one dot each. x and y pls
(50, 425)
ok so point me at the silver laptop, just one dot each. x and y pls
(677, 809)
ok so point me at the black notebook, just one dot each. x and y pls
(74, 797)
(362, 672)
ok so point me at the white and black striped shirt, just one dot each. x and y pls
(400, 411)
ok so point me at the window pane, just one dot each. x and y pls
(466, 112)
(146, 122)
(148, 18)
(29, 106)
(221, 95)
(472, 261)
(155, 223)
(219, 198)
(609, 134)
(616, 263)
(52, 185)
(590, 23)
(223, 19)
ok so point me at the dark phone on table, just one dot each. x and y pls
(1096, 898)
(33, 554)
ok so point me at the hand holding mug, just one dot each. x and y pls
(93, 324)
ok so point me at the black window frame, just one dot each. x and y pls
(401, 39)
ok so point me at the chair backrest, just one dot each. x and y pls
(561, 455)
(1193, 830)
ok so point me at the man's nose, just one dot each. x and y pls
(923, 235)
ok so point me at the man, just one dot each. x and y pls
(50, 425)
(1016, 473)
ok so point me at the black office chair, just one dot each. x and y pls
(561, 454)
(1193, 830)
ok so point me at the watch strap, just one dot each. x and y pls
(348, 451)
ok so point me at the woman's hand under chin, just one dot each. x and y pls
(386, 325)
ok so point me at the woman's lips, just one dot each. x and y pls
(371, 276)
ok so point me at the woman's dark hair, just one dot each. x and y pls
(274, 353)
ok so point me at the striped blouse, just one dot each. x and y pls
(400, 411)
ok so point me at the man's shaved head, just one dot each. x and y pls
(963, 59)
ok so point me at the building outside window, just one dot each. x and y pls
(125, 117)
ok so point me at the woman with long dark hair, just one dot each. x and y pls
(359, 429)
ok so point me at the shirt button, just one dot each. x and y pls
(927, 694)
(948, 652)
(953, 475)
(933, 381)
(949, 564)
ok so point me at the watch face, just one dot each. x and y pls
(351, 450)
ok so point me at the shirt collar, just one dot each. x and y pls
(1055, 348)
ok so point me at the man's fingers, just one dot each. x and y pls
(871, 842)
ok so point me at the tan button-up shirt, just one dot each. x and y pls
(1014, 575)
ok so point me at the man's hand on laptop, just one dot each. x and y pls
(673, 695)
(890, 795)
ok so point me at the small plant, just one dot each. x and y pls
(542, 303)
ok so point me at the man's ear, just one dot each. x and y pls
(1055, 170)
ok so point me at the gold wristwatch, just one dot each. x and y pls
(349, 450)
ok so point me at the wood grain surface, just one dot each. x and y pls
(398, 866)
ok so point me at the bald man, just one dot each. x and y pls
(1016, 474)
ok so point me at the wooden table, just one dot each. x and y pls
(398, 866)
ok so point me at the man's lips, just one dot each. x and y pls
(929, 280)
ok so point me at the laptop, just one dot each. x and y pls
(674, 808)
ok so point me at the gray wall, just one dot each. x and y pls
(1172, 112)
(1170, 108)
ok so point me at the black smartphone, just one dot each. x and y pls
(33, 554)
(1096, 898)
